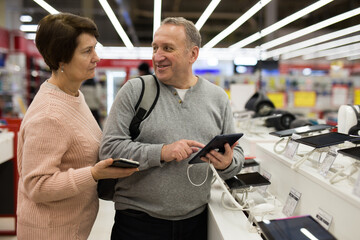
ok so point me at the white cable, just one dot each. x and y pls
(354, 169)
(278, 143)
(188, 175)
(226, 191)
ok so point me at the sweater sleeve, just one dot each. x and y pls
(45, 142)
(116, 141)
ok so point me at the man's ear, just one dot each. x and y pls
(194, 53)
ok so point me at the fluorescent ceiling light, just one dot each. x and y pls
(333, 51)
(349, 53)
(257, 7)
(310, 29)
(30, 36)
(310, 42)
(354, 57)
(29, 28)
(157, 15)
(206, 14)
(321, 47)
(46, 6)
(280, 24)
(111, 15)
(25, 18)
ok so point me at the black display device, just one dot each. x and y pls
(326, 140)
(353, 152)
(250, 163)
(302, 130)
(299, 228)
(245, 180)
(125, 163)
(217, 142)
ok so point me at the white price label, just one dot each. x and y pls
(324, 218)
(291, 149)
(291, 202)
(267, 175)
(327, 162)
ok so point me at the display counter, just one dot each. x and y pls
(6, 146)
(317, 193)
(226, 224)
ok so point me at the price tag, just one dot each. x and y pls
(324, 218)
(357, 186)
(291, 202)
(292, 146)
(304, 98)
(267, 175)
(328, 161)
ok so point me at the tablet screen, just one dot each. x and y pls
(326, 140)
(301, 130)
(245, 180)
(216, 143)
(299, 228)
(353, 152)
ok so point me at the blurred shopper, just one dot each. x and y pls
(92, 92)
(59, 138)
(144, 69)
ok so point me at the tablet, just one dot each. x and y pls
(326, 140)
(216, 143)
(353, 152)
(246, 180)
(299, 228)
(302, 130)
(250, 163)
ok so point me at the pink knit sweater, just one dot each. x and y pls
(58, 142)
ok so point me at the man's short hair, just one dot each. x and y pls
(192, 34)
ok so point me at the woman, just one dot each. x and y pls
(59, 138)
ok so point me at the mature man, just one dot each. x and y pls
(161, 201)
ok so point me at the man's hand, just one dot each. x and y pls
(221, 160)
(179, 150)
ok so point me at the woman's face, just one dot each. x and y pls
(83, 63)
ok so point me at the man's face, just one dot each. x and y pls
(172, 60)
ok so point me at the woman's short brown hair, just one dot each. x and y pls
(56, 37)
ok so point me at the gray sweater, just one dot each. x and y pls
(162, 189)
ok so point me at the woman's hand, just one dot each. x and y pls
(102, 170)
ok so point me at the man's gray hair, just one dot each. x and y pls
(192, 34)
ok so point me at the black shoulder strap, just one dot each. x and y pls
(146, 103)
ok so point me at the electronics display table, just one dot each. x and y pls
(316, 191)
(226, 224)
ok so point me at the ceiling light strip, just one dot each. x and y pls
(310, 29)
(321, 47)
(206, 14)
(333, 51)
(354, 57)
(280, 24)
(157, 15)
(252, 11)
(46, 6)
(348, 54)
(312, 41)
(111, 15)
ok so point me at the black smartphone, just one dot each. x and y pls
(125, 163)
(302, 130)
(245, 180)
(216, 143)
